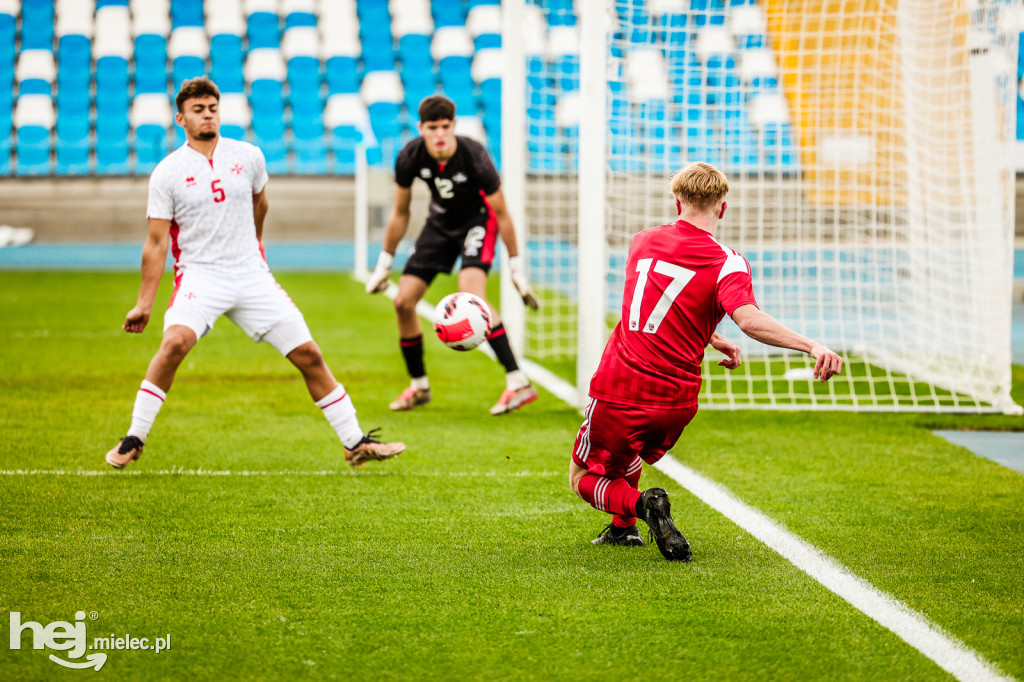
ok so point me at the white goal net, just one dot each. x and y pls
(869, 146)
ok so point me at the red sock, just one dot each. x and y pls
(615, 496)
(633, 477)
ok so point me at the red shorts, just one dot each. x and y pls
(613, 435)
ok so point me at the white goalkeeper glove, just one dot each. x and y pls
(515, 269)
(378, 281)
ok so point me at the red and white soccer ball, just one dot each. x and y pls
(462, 320)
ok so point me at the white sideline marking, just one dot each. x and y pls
(946, 651)
(229, 472)
(949, 653)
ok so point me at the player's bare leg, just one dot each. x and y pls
(331, 398)
(176, 343)
(518, 390)
(411, 290)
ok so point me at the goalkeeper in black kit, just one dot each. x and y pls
(467, 214)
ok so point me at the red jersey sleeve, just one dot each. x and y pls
(735, 286)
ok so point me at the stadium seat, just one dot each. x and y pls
(447, 13)
(265, 72)
(263, 24)
(299, 13)
(35, 72)
(74, 30)
(226, 27)
(382, 91)
(34, 119)
(187, 13)
(188, 49)
(748, 26)
(484, 25)
(151, 118)
(235, 115)
(346, 118)
(37, 25)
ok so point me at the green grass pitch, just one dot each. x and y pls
(468, 557)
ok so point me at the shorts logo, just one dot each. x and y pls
(459, 178)
(424, 172)
(190, 181)
(474, 241)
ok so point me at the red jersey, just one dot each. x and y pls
(680, 283)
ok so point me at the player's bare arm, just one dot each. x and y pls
(260, 206)
(762, 327)
(508, 235)
(727, 348)
(154, 255)
(397, 226)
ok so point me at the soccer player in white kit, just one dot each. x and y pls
(210, 197)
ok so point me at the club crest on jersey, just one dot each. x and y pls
(459, 177)
(190, 181)
(424, 172)
(237, 169)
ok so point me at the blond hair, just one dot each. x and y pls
(701, 186)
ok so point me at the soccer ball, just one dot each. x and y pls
(462, 321)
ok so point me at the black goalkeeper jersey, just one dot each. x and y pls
(457, 188)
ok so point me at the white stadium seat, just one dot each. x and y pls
(382, 86)
(769, 109)
(265, 63)
(34, 110)
(714, 40)
(647, 75)
(345, 109)
(188, 41)
(253, 6)
(113, 32)
(10, 7)
(151, 109)
(234, 109)
(488, 63)
(757, 63)
(471, 127)
(74, 17)
(290, 6)
(563, 41)
(340, 45)
(36, 64)
(151, 17)
(484, 19)
(411, 22)
(747, 20)
(567, 110)
(328, 9)
(224, 17)
(451, 41)
(301, 41)
(659, 7)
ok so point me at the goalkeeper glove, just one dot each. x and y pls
(515, 269)
(378, 281)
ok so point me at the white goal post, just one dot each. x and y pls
(869, 146)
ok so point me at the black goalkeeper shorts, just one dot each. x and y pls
(436, 251)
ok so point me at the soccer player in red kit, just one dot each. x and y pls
(680, 283)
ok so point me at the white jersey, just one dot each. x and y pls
(209, 204)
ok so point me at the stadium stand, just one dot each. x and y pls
(314, 72)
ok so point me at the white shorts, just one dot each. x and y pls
(252, 300)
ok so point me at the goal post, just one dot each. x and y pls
(869, 146)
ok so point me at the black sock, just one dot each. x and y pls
(499, 344)
(638, 508)
(412, 351)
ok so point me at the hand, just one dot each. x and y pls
(378, 281)
(515, 269)
(729, 349)
(135, 321)
(827, 363)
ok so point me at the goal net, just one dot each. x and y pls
(869, 149)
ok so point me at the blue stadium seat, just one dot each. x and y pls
(342, 74)
(8, 32)
(268, 134)
(227, 63)
(344, 140)
(263, 30)
(415, 48)
(33, 150)
(187, 13)
(233, 132)
(308, 147)
(384, 120)
(187, 67)
(151, 146)
(112, 3)
(150, 63)
(447, 13)
(34, 86)
(37, 25)
(294, 19)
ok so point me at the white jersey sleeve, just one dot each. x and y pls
(259, 170)
(161, 196)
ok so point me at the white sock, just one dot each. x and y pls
(421, 383)
(516, 380)
(341, 414)
(148, 402)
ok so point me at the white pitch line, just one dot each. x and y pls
(949, 653)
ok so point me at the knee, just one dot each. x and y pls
(176, 345)
(405, 305)
(574, 480)
(307, 356)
